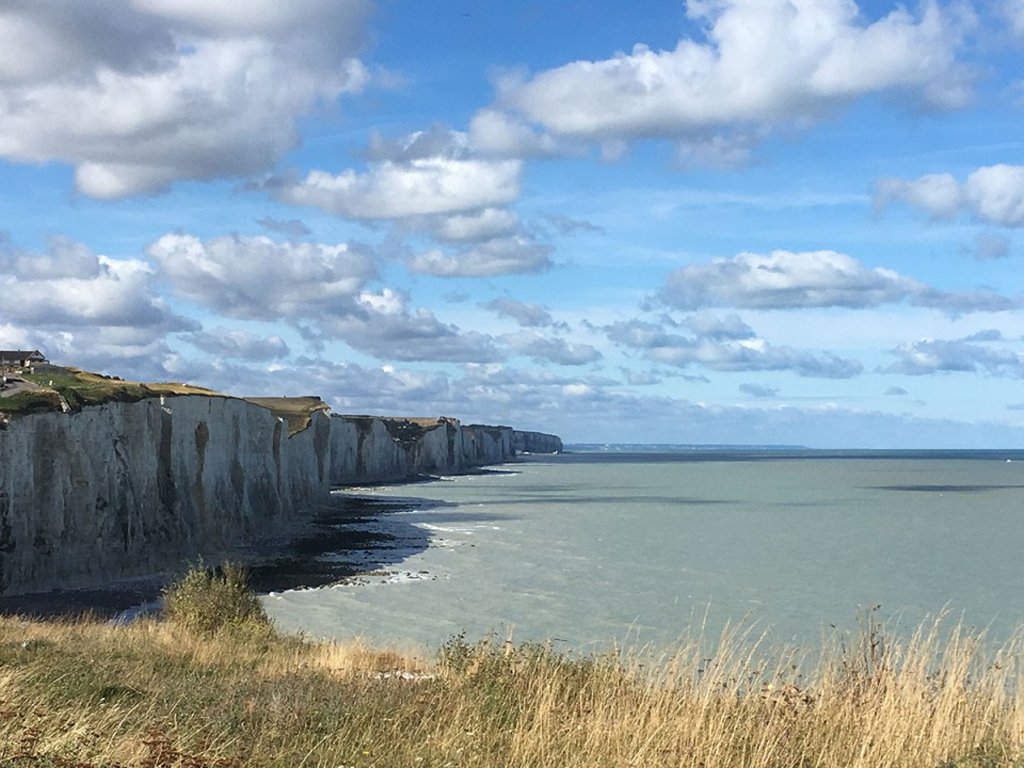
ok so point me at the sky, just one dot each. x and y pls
(718, 221)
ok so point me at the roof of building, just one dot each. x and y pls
(21, 354)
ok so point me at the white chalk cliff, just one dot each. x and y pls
(125, 489)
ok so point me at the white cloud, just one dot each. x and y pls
(758, 390)
(967, 355)
(499, 256)
(526, 314)
(766, 63)
(707, 325)
(784, 279)
(789, 280)
(257, 278)
(69, 287)
(722, 352)
(384, 326)
(476, 227)
(86, 309)
(419, 187)
(320, 289)
(552, 349)
(994, 194)
(427, 181)
(492, 132)
(139, 95)
(234, 343)
(937, 193)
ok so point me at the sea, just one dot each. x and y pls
(638, 546)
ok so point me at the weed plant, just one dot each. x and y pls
(160, 693)
(208, 600)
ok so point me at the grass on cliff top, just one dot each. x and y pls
(158, 693)
(78, 388)
(297, 411)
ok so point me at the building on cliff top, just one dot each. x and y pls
(21, 358)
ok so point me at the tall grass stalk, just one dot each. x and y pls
(156, 693)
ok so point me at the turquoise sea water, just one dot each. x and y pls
(587, 549)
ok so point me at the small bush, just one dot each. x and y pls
(207, 600)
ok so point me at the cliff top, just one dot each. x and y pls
(57, 388)
(297, 411)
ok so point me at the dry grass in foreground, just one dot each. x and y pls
(158, 694)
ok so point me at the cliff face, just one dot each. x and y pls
(535, 442)
(482, 444)
(130, 488)
(134, 488)
(376, 449)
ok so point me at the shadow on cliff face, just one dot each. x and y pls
(351, 536)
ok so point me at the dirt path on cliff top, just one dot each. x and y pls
(15, 385)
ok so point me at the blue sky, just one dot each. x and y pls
(724, 221)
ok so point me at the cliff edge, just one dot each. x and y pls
(103, 479)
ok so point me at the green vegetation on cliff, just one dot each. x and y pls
(56, 388)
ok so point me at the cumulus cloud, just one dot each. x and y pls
(939, 194)
(965, 302)
(68, 286)
(967, 355)
(493, 132)
(552, 349)
(745, 353)
(383, 325)
(709, 326)
(137, 95)
(761, 65)
(789, 280)
(784, 279)
(233, 343)
(487, 224)
(85, 308)
(758, 390)
(500, 256)
(641, 378)
(425, 173)
(437, 141)
(992, 194)
(526, 314)
(321, 289)
(431, 182)
(258, 278)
